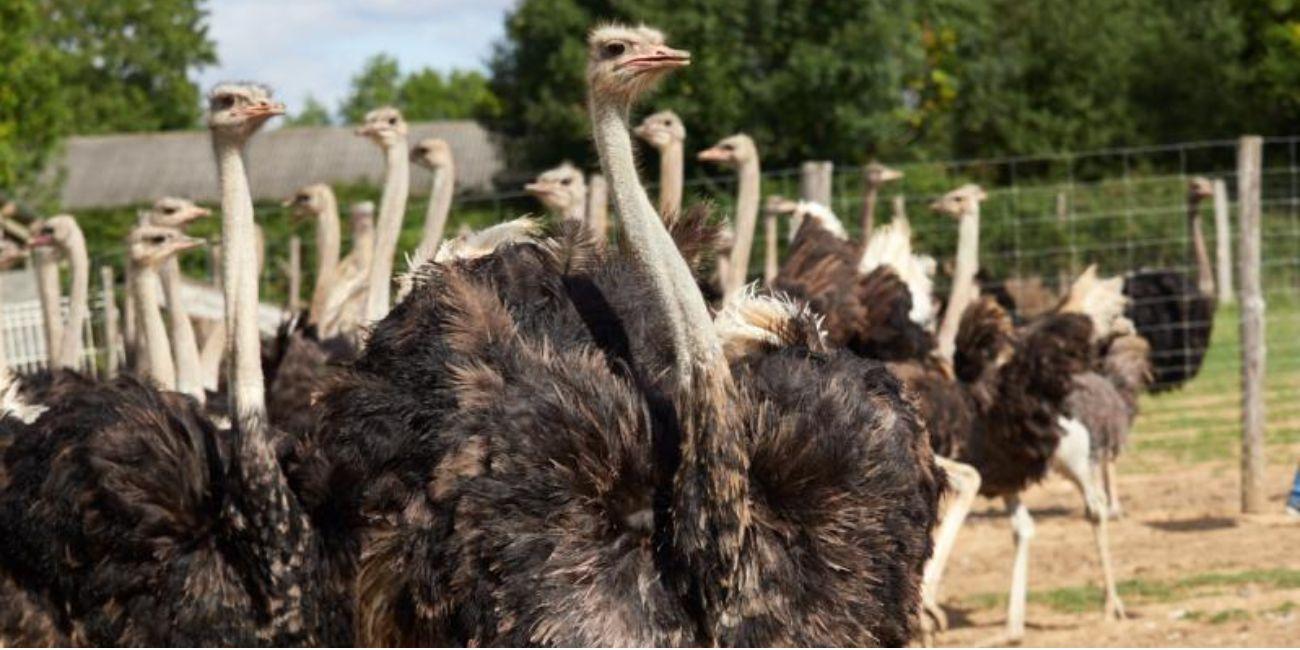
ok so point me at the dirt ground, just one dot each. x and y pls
(1193, 571)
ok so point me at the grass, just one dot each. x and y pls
(1078, 600)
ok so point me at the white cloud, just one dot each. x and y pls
(303, 47)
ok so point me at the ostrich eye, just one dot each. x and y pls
(614, 49)
(224, 102)
(668, 122)
(157, 239)
(392, 121)
(303, 198)
(728, 147)
(566, 182)
(169, 210)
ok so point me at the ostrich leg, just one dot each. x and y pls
(1110, 482)
(1022, 525)
(965, 482)
(1072, 460)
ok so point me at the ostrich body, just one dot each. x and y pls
(140, 521)
(63, 233)
(564, 454)
(739, 152)
(667, 134)
(563, 191)
(435, 155)
(387, 129)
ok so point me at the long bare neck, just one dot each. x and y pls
(327, 257)
(771, 265)
(963, 281)
(672, 161)
(651, 248)
(391, 209)
(162, 368)
(598, 207)
(746, 220)
(78, 307)
(47, 287)
(1200, 252)
(869, 210)
(185, 346)
(239, 283)
(435, 217)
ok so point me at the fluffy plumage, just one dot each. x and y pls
(1170, 312)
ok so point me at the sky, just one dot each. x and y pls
(313, 47)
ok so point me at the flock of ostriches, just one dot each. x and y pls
(551, 438)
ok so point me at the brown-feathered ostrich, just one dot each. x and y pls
(434, 154)
(140, 522)
(667, 134)
(563, 191)
(1174, 310)
(177, 214)
(874, 176)
(738, 152)
(386, 128)
(549, 446)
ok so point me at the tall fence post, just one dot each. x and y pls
(1066, 275)
(112, 345)
(1223, 242)
(1249, 178)
(295, 274)
(815, 178)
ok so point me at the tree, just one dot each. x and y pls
(125, 65)
(32, 111)
(313, 113)
(422, 95)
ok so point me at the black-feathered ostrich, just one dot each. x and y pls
(549, 446)
(991, 394)
(141, 522)
(1173, 310)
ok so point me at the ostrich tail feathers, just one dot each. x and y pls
(1101, 300)
(750, 323)
(891, 245)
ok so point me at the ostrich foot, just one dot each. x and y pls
(1114, 609)
(935, 616)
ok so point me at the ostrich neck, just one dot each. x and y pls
(672, 160)
(189, 377)
(1200, 253)
(327, 257)
(869, 211)
(435, 218)
(162, 369)
(598, 207)
(79, 265)
(771, 265)
(47, 287)
(963, 281)
(239, 282)
(746, 220)
(391, 209)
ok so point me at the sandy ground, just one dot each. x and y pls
(1181, 525)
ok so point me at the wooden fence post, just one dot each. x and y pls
(815, 178)
(1066, 275)
(295, 274)
(112, 344)
(1223, 242)
(1253, 353)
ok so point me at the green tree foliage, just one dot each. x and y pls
(424, 94)
(31, 114)
(125, 64)
(313, 113)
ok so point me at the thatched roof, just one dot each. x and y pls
(119, 170)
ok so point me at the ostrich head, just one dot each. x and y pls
(237, 110)
(1199, 188)
(559, 189)
(10, 254)
(959, 202)
(877, 174)
(625, 62)
(55, 231)
(171, 212)
(308, 201)
(384, 125)
(431, 153)
(150, 246)
(661, 129)
(731, 152)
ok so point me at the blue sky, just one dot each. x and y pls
(312, 47)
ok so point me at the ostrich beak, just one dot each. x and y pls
(37, 241)
(538, 189)
(186, 243)
(264, 109)
(714, 154)
(662, 58)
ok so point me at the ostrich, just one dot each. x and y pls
(434, 154)
(149, 249)
(317, 201)
(565, 455)
(563, 191)
(177, 214)
(1173, 311)
(387, 129)
(63, 233)
(738, 152)
(346, 304)
(46, 263)
(665, 132)
(874, 175)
